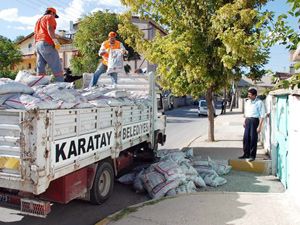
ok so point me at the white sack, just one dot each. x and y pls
(4, 97)
(94, 93)
(170, 170)
(116, 94)
(162, 189)
(29, 102)
(220, 167)
(115, 62)
(138, 182)
(9, 86)
(27, 78)
(186, 188)
(151, 179)
(64, 95)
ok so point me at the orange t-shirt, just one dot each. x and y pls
(41, 29)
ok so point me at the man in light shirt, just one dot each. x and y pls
(254, 117)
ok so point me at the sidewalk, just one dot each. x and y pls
(247, 197)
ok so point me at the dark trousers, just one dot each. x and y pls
(250, 137)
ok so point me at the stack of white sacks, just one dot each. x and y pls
(36, 92)
(177, 172)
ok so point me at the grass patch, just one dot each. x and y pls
(124, 213)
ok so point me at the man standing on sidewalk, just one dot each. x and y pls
(47, 45)
(254, 116)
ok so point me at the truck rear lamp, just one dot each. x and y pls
(35, 208)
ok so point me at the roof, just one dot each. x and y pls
(282, 75)
(63, 40)
(265, 81)
(25, 38)
(280, 92)
(153, 23)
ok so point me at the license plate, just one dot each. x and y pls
(4, 198)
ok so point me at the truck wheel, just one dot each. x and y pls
(103, 184)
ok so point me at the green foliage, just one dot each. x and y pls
(19, 38)
(266, 91)
(207, 45)
(8, 74)
(9, 54)
(293, 82)
(280, 32)
(93, 29)
(244, 93)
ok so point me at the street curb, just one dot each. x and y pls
(103, 222)
(131, 209)
(257, 166)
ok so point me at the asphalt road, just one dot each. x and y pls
(183, 126)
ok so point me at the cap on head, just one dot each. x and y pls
(112, 34)
(52, 10)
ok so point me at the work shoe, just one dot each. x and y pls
(243, 157)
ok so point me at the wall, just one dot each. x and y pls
(294, 150)
(266, 132)
(272, 132)
(27, 47)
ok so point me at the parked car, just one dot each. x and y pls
(202, 107)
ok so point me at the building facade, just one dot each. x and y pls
(27, 47)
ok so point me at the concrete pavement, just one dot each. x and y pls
(262, 200)
(212, 209)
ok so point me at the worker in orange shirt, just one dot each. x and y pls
(47, 45)
(106, 46)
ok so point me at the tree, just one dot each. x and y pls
(280, 32)
(19, 38)
(9, 54)
(93, 30)
(208, 42)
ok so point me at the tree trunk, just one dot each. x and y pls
(211, 115)
(232, 103)
(225, 99)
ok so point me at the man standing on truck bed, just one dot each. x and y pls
(106, 46)
(47, 45)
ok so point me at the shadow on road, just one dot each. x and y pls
(178, 121)
(187, 112)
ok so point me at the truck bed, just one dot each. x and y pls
(39, 146)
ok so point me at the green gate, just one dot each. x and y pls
(282, 138)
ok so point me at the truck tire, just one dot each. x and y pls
(103, 183)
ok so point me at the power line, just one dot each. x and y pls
(27, 4)
(64, 6)
(44, 6)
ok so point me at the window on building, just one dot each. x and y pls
(29, 65)
(29, 45)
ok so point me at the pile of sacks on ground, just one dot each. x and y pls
(177, 172)
(36, 92)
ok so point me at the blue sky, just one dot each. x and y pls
(17, 17)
